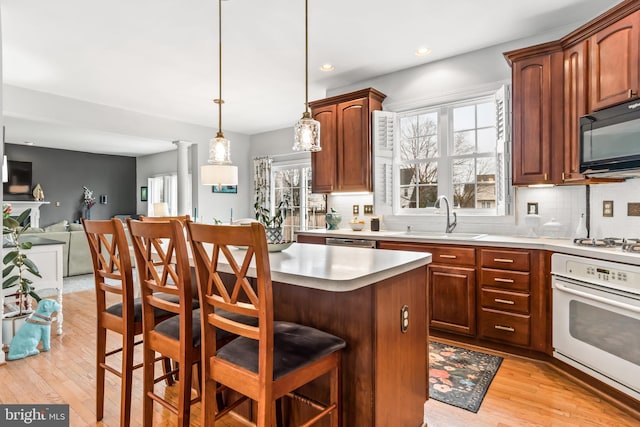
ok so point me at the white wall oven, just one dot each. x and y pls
(596, 319)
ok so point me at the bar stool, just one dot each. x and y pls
(163, 267)
(113, 279)
(269, 360)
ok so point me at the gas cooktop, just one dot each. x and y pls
(625, 244)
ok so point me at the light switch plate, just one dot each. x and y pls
(532, 208)
(607, 208)
(368, 209)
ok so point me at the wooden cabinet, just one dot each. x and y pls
(575, 106)
(537, 117)
(512, 298)
(488, 296)
(613, 58)
(304, 238)
(595, 66)
(452, 286)
(345, 162)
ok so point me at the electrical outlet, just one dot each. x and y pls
(633, 209)
(368, 209)
(356, 209)
(532, 208)
(607, 208)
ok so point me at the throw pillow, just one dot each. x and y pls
(58, 226)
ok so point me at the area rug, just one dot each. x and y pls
(71, 284)
(460, 377)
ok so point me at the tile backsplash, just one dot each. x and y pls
(563, 204)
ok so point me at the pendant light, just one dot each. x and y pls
(307, 130)
(219, 171)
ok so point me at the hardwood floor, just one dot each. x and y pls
(523, 393)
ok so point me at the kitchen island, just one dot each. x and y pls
(361, 295)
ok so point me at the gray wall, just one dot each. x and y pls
(62, 173)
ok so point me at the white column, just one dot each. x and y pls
(183, 176)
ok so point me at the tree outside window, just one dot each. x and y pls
(451, 150)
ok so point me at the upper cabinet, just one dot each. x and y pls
(556, 83)
(345, 162)
(536, 88)
(613, 63)
(575, 106)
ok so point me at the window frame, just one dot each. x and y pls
(445, 158)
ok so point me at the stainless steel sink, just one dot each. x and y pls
(440, 235)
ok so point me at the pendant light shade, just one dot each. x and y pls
(219, 171)
(307, 130)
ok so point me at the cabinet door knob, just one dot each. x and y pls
(498, 279)
(502, 260)
(448, 256)
(504, 301)
(504, 328)
(631, 93)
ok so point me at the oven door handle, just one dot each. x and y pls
(586, 295)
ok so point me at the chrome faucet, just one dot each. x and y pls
(450, 225)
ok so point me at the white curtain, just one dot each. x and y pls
(262, 181)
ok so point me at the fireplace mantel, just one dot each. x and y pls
(19, 206)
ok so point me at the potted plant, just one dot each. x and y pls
(272, 223)
(16, 266)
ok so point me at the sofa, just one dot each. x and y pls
(76, 257)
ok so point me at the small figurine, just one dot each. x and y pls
(38, 194)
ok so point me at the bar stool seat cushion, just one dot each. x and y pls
(294, 346)
(171, 326)
(116, 309)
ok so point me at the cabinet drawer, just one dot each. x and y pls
(505, 279)
(504, 300)
(507, 327)
(452, 255)
(509, 260)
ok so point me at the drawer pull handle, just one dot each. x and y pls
(448, 256)
(504, 301)
(504, 328)
(502, 260)
(498, 279)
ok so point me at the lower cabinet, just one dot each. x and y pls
(452, 299)
(487, 294)
(513, 298)
(452, 285)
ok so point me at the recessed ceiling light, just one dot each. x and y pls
(423, 51)
(327, 67)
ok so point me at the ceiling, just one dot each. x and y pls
(160, 57)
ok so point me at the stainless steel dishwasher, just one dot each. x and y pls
(356, 243)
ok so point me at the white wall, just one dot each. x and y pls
(209, 205)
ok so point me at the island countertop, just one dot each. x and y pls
(336, 268)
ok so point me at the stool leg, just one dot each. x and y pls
(101, 344)
(127, 379)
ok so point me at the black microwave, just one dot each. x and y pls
(610, 141)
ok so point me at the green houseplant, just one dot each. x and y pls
(272, 223)
(16, 261)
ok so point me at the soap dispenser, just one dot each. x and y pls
(581, 229)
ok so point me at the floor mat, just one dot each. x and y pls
(460, 377)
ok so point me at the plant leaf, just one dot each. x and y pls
(8, 269)
(10, 256)
(11, 281)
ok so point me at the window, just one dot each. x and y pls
(453, 150)
(164, 188)
(292, 182)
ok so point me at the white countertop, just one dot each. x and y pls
(335, 268)
(555, 245)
